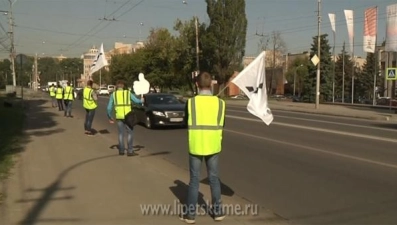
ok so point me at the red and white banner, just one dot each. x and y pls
(370, 29)
(350, 27)
(391, 28)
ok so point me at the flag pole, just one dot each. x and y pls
(224, 88)
(100, 78)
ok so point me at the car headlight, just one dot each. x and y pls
(157, 113)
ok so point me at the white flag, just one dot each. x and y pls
(252, 81)
(349, 15)
(99, 61)
(332, 20)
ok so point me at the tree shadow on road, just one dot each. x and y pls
(48, 193)
(22, 120)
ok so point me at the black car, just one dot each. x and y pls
(161, 109)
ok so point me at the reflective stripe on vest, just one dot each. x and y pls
(122, 103)
(88, 101)
(68, 95)
(206, 115)
(52, 92)
(59, 93)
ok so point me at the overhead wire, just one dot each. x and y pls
(93, 28)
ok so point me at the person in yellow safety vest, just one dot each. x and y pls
(59, 97)
(68, 97)
(205, 118)
(120, 101)
(52, 95)
(89, 103)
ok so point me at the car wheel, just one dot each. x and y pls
(148, 122)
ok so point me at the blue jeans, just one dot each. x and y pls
(122, 127)
(54, 101)
(89, 117)
(215, 185)
(68, 107)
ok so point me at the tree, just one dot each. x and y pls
(225, 36)
(185, 47)
(275, 58)
(339, 75)
(5, 74)
(365, 85)
(325, 71)
(297, 72)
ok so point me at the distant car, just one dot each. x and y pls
(160, 109)
(103, 91)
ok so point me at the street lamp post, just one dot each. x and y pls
(377, 60)
(197, 45)
(296, 69)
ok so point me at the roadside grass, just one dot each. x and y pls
(11, 134)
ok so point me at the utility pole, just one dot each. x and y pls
(197, 45)
(35, 74)
(318, 55)
(343, 73)
(353, 67)
(333, 74)
(12, 48)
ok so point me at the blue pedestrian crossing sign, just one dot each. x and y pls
(391, 74)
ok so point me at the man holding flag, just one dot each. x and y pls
(205, 115)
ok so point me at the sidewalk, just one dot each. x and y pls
(65, 177)
(332, 110)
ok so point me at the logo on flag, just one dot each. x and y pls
(252, 81)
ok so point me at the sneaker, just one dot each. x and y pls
(219, 217)
(187, 219)
(121, 153)
(132, 154)
(90, 134)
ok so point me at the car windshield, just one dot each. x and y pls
(162, 100)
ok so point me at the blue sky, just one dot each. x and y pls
(70, 27)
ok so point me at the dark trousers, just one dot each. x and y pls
(89, 117)
(60, 104)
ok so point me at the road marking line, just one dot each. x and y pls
(319, 130)
(393, 166)
(310, 113)
(320, 121)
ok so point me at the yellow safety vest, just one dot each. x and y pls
(122, 103)
(52, 93)
(59, 93)
(88, 101)
(68, 95)
(206, 116)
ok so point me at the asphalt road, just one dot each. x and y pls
(309, 169)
